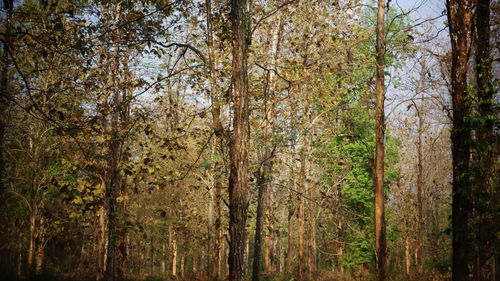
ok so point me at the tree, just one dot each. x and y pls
(380, 239)
(239, 144)
(459, 22)
(8, 5)
(486, 192)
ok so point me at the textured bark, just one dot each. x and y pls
(487, 185)
(459, 19)
(238, 178)
(380, 243)
(4, 86)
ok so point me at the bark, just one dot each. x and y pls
(486, 190)
(4, 87)
(263, 195)
(238, 178)
(291, 214)
(300, 217)
(212, 249)
(311, 241)
(380, 243)
(459, 19)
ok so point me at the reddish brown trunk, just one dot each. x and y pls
(238, 178)
(379, 148)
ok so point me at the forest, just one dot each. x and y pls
(263, 140)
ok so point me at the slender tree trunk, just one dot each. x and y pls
(32, 242)
(4, 86)
(114, 262)
(487, 185)
(380, 243)
(182, 264)
(219, 246)
(238, 178)
(300, 217)
(212, 251)
(174, 254)
(407, 257)
(340, 251)
(263, 194)
(459, 19)
(164, 256)
(281, 252)
(420, 173)
(220, 137)
(40, 247)
(269, 246)
(291, 214)
(311, 241)
(101, 241)
(266, 155)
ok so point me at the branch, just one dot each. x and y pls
(270, 15)
(184, 45)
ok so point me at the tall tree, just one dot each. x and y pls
(380, 240)
(486, 195)
(8, 5)
(459, 22)
(239, 144)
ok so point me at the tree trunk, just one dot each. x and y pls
(300, 217)
(380, 243)
(40, 247)
(238, 178)
(220, 137)
(212, 248)
(487, 186)
(263, 195)
(420, 172)
(407, 257)
(291, 214)
(459, 19)
(4, 86)
(311, 241)
(174, 254)
(32, 243)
